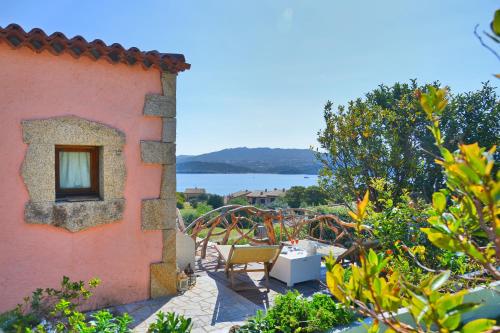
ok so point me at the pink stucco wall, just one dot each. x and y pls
(43, 85)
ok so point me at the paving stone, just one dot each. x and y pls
(211, 304)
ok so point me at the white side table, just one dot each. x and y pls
(297, 266)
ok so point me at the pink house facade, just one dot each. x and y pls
(72, 110)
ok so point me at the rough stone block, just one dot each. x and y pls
(169, 130)
(168, 182)
(38, 172)
(169, 84)
(70, 130)
(158, 214)
(163, 279)
(157, 152)
(169, 248)
(113, 172)
(159, 106)
(74, 216)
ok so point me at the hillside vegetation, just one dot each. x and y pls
(251, 160)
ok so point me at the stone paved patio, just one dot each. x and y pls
(212, 305)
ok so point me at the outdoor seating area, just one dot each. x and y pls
(235, 280)
(213, 303)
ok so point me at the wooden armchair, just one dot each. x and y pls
(234, 255)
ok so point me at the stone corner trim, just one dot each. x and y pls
(158, 152)
(159, 106)
(158, 214)
(161, 214)
(38, 172)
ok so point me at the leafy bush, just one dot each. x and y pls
(180, 200)
(42, 304)
(75, 322)
(170, 323)
(340, 211)
(463, 220)
(191, 214)
(238, 201)
(294, 313)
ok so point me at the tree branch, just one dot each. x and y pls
(486, 46)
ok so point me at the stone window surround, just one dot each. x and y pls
(38, 172)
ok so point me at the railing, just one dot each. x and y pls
(240, 223)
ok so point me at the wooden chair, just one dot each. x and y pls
(245, 254)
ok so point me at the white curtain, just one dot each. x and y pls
(74, 169)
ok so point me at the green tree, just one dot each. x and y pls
(314, 196)
(279, 203)
(215, 201)
(295, 196)
(385, 136)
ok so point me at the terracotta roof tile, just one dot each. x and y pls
(57, 43)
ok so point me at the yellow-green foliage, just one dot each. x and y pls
(464, 218)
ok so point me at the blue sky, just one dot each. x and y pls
(262, 70)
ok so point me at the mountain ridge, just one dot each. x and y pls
(251, 160)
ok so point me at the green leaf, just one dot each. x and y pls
(451, 322)
(478, 325)
(439, 201)
(448, 157)
(439, 280)
(495, 24)
(372, 258)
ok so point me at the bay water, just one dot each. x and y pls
(223, 184)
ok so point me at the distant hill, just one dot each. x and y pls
(251, 160)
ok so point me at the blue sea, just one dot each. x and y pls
(223, 184)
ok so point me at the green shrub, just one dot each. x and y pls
(49, 310)
(342, 212)
(170, 323)
(294, 313)
(189, 215)
(75, 322)
(258, 324)
(238, 201)
(42, 304)
(326, 313)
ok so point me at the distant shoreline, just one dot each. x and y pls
(248, 173)
(224, 184)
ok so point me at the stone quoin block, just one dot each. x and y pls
(169, 84)
(163, 279)
(169, 252)
(169, 130)
(158, 214)
(159, 106)
(168, 182)
(157, 152)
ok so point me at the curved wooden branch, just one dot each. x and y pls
(291, 223)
